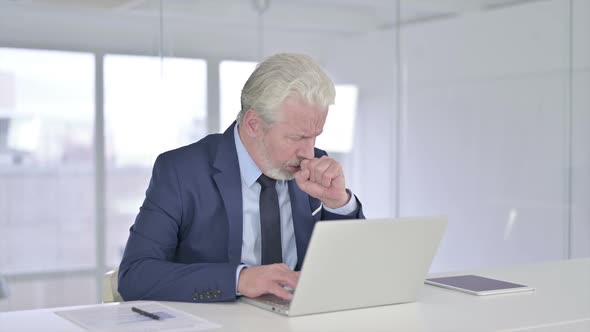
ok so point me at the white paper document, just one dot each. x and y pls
(120, 318)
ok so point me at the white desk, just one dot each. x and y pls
(560, 303)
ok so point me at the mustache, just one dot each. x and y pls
(295, 163)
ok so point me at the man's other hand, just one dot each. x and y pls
(323, 179)
(267, 279)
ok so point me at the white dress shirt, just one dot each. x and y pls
(251, 240)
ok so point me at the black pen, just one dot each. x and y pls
(145, 313)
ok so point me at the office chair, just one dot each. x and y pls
(110, 283)
(3, 288)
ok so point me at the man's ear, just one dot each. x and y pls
(252, 123)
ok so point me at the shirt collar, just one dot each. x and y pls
(248, 168)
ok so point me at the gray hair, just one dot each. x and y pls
(281, 76)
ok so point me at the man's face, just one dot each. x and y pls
(290, 139)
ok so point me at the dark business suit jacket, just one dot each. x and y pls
(186, 242)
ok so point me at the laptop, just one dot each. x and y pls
(354, 264)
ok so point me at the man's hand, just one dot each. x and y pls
(265, 279)
(323, 179)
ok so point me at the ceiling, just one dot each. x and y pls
(337, 14)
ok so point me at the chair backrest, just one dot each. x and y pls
(110, 284)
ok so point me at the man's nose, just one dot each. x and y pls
(307, 149)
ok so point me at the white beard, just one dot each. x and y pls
(276, 173)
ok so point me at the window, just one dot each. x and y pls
(46, 107)
(152, 105)
(232, 77)
(338, 132)
(46, 173)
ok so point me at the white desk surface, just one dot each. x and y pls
(561, 302)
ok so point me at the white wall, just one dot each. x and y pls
(486, 133)
(581, 130)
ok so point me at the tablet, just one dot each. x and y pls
(477, 285)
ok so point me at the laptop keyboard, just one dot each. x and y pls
(275, 300)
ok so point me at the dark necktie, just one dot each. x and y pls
(270, 221)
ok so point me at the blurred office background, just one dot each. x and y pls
(474, 109)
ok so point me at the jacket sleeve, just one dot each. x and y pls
(148, 270)
(356, 214)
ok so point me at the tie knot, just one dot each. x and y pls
(266, 182)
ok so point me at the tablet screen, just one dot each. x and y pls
(475, 283)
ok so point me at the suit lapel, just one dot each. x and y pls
(302, 220)
(229, 183)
